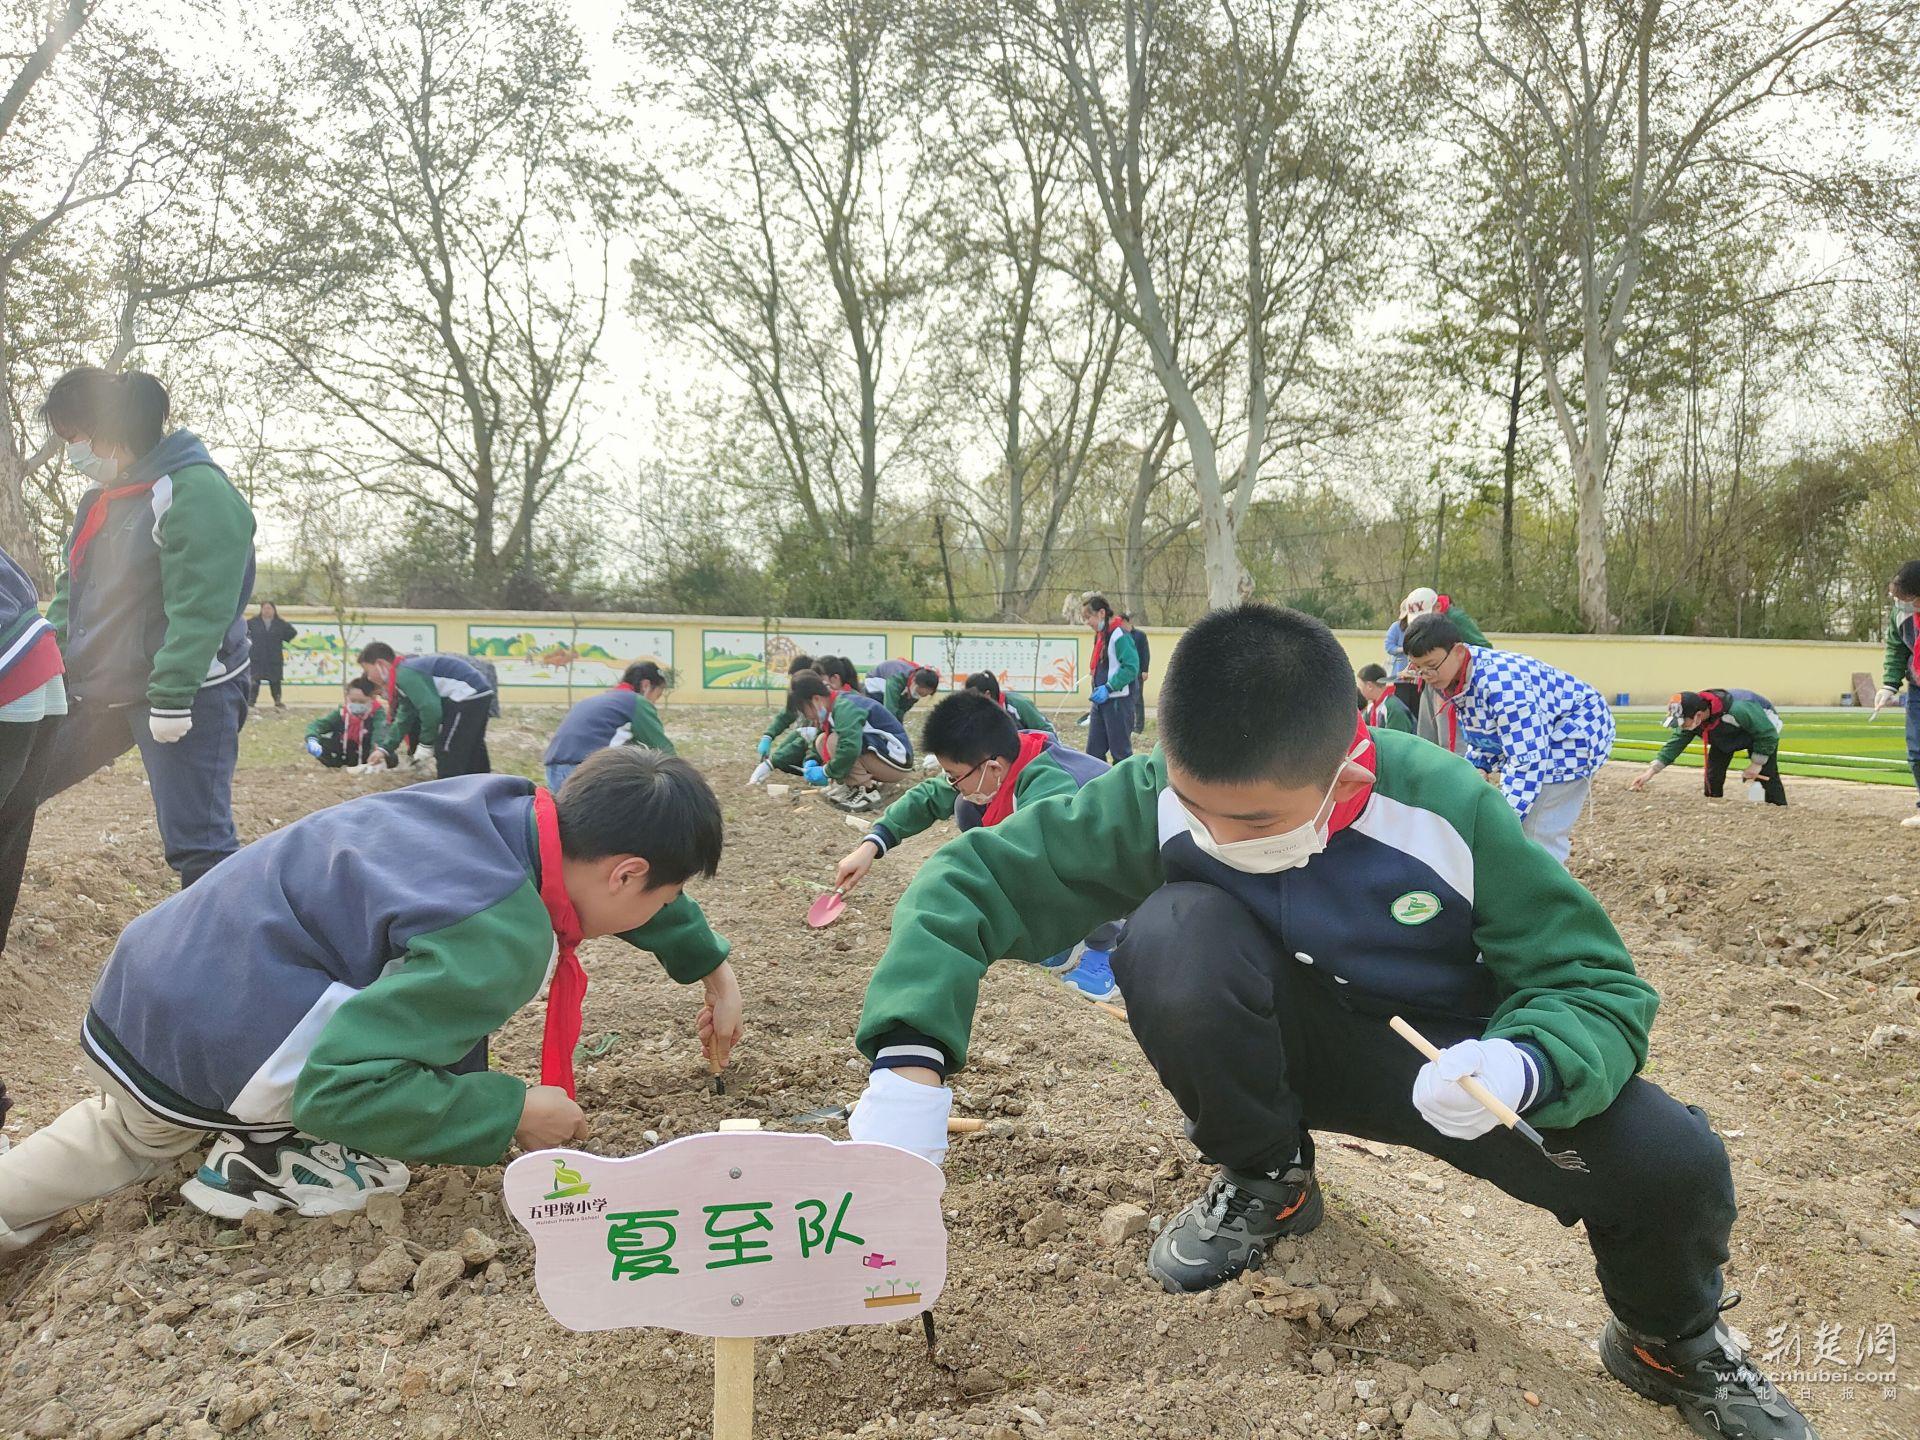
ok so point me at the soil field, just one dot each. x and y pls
(1786, 945)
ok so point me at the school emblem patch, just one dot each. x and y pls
(1416, 907)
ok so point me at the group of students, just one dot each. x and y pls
(1290, 878)
(432, 708)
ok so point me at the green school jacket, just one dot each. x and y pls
(1041, 879)
(932, 801)
(1751, 720)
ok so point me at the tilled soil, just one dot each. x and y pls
(1786, 946)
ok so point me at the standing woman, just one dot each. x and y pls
(267, 633)
(150, 610)
(32, 700)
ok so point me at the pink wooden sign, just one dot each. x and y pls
(742, 1234)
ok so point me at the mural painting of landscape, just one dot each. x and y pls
(320, 655)
(555, 656)
(753, 660)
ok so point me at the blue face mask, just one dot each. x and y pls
(100, 468)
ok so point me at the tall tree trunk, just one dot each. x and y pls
(1509, 462)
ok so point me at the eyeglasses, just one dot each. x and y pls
(960, 781)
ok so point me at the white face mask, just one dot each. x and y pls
(1268, 854)
(102, 468)
(809, 732)
(1904, 608)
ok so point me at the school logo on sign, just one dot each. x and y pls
(1416, 907)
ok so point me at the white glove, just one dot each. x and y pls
(1500, 1065)
(423, 756)
(1884, 696)
(169, 729)
(760, 772)
(903, 1113)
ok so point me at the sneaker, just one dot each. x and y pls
(848, 797)
(1708, 1379)
(1232, 1226)
(1912, 822)
(1088, 971)
(289, 1172)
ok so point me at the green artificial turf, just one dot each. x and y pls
(1836, 744)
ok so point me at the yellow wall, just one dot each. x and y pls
(1047, 661)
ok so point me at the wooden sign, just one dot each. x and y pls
(746, 1233)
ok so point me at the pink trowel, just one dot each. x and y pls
(827, 909)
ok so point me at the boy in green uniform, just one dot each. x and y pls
(1727, 722)
(989, 769)
(780, 723)
(345, 737)
(1379, 706)
(348, 992)
(1294, 880)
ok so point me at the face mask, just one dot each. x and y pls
(102, 468)
(358, 709)
(1268, 854)
(1905, 608)
(982, 799)
(809, 732)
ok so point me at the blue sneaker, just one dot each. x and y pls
(1090, 972)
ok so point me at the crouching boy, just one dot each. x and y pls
(308, 1002)
(1295, 879)
(344, 737)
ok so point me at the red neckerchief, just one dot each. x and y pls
(1442, 604)
(97, 519)
(393, 685)
(1375, 708)
(1447, 696)
(1032, 742)
(1716, 707)
(626, 687)
(568, 989)
(1100, 640)
(1364, 754)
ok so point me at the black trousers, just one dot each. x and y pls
(272, 681)
(25, 751)
(462, 745)
(335, 755)
(1258, 1050)
(1718, 758)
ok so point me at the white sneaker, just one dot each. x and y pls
(1912, 822)
(849, 798)
(289, 1172)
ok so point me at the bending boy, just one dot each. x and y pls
(628, 714)
(308, 1003)
(1294, 880)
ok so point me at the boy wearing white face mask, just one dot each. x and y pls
(1902, 667)
(151, 610)
(345, 736)
(1294, 880)
(989, 769)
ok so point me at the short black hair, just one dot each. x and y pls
(985, 682)
(1374, 674)
(632, 800)
(1692, 702)
(647, 670)
(840, 668)
(1257, 692)
(969, 729)
(361, 683)
(1097, 602)
(375, 650)
(1907, 579)
(804, 687)
(924, 676)
(1426, 633)
(129, 410)
(799, 663)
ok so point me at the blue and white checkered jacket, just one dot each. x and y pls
(1538, 724)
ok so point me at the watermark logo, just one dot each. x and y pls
(566, 1181)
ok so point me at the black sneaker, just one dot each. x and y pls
(1232, 1226)
(1708, 1379)
(289, 1172)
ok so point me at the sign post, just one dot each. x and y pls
(733, 1235)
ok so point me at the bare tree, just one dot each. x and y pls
(449, 351)
(789, 237)
(1594, 120)
(1227, 190)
